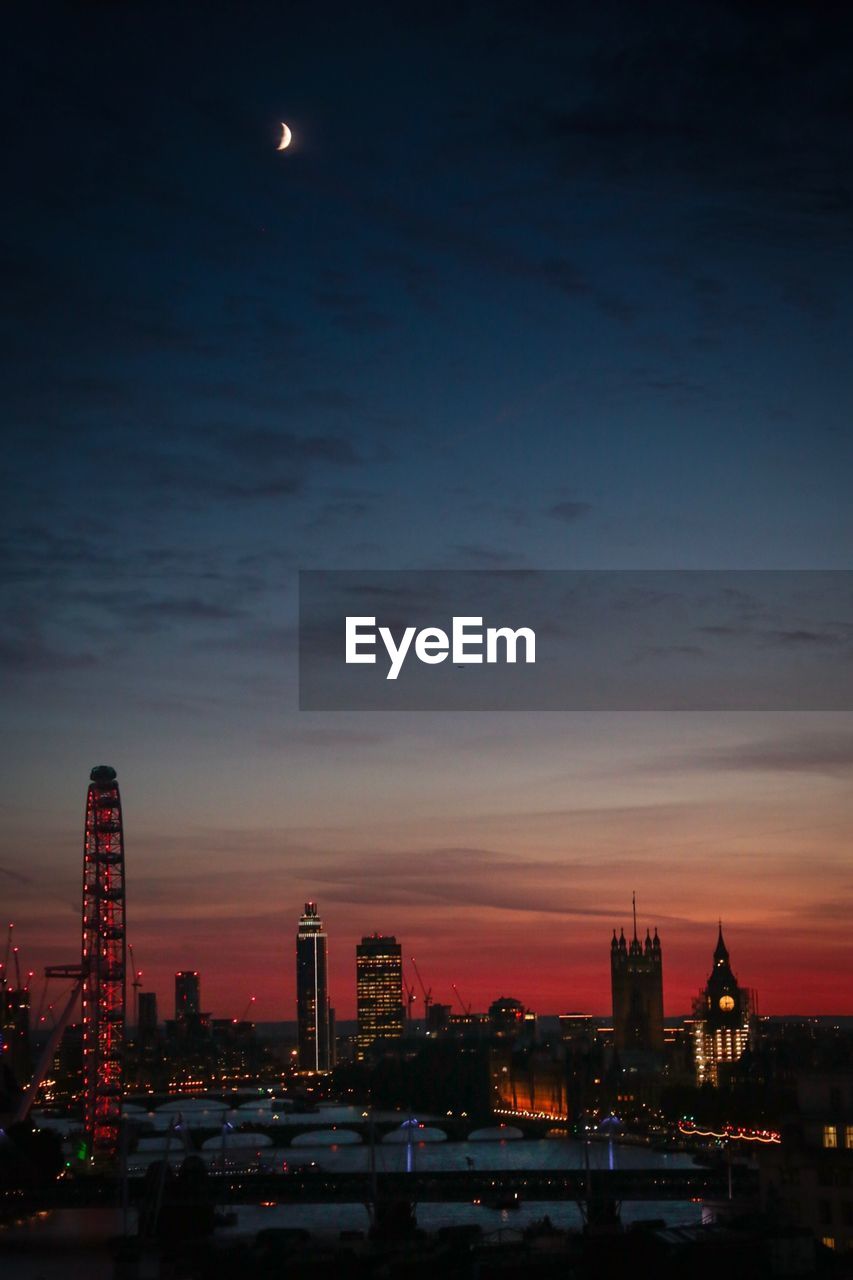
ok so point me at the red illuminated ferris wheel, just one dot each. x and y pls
(98, 979)
(103, 962)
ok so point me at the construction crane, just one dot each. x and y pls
(466, 1008)
(136, 983)
(4, 978)
(28, 1097)
(15, 951)
(410, 998)
(426, 994)
(252, 1000)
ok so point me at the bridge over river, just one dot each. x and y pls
(312, 1186)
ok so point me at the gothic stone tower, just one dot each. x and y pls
(636, 977)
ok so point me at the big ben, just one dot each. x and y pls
(724, 1017)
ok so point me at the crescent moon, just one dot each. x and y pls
(286, 137)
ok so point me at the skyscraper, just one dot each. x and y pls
(636, 981)
(147, 1028)
(147, 1018)
(187, 1002)
(312, 992)
(379, 991)
(723, 1018)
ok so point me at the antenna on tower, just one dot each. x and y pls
(634, 905)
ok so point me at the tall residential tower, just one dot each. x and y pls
(379, 991)
(312, 992)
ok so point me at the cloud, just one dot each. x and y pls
(479, 554)
(353, 312)
(569, 512)
(802, 638)
(838, 636)
(665, 651)
(830, 754)
(678, 96)
(16, 875)
(25, 651)
(185, 610)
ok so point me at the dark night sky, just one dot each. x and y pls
(557, 286)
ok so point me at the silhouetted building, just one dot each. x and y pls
(312, 992)
(509, 1020)
(578, 1028)
(723, 1019)
(333, 1039)
(506, 1016)
(636, 979)
(438, 1018)
(807, 1178)
(472, 1027)
(379, 991)
(15, 1032)
(147, 1017)
(187, 995)
(189, 1020)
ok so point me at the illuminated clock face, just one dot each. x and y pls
(727, 1003)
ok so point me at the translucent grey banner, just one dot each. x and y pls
(579, 640)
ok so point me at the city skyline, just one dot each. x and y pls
(564, 294)
(580, 981)
(314, 967)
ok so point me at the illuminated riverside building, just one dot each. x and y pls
(312, 992)
(636, 982)
(723, 1019)
(379, 991)
(534, 1084)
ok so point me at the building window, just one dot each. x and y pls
(848, 1137)
(830, 1136)
(828, 1242)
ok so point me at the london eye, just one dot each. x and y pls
(103, 963)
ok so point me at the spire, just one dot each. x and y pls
(721, 951)
(634, 905)
(656, 940)
(614, 944)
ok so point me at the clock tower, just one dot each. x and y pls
(723, 1015)
(723, 996)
